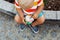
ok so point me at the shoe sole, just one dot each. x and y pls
(33, 30)
(21, 29)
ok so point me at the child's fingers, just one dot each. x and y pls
(35, 16)
(24, 22)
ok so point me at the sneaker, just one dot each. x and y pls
(22, 27)
(34, 29)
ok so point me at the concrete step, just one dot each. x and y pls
(58, 15)
(50, 14)
(9, 9)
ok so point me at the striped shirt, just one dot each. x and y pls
(32, 9)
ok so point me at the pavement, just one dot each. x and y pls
(9, 30)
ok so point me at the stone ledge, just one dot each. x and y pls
(50, 14)
(7, 12)
(58, 15)
(9, 9)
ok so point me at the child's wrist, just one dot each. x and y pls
(35, 16)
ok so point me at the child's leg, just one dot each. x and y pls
(39, 21)
(18, 19)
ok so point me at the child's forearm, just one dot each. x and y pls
(39, 9)
(20, 12)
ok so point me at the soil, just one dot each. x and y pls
(52, 5)
(49, 4)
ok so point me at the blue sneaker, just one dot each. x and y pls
(22, 27)
(34, 29)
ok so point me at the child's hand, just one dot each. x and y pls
(23, 20)
(35, 16)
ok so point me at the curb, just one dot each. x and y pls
(9, 9)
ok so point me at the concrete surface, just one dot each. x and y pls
(10, 31)
(50, 14)
(58, 15)
(9, 8)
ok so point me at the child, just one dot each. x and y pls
(30, 7)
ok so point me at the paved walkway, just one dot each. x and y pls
(10, 31)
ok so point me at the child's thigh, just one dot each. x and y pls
(41, 17)
(41, 20)
(17, 18)
(41, 14)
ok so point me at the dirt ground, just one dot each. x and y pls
(52, 5)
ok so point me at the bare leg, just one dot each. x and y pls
(39, 21)
(18, 19)
(20, 23)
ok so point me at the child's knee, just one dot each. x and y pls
(41, 20)
(17, 19)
